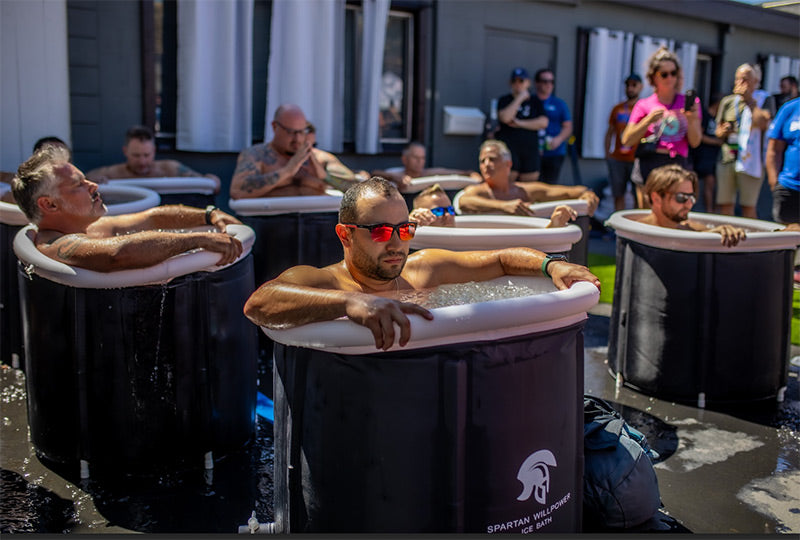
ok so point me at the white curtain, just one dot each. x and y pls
(306, 65)
(643, 47)
(776, 68)
(215, 75)
(608, 64)
(687, 56)
(376, 13)
(35, 77)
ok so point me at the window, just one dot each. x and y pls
(397, 117)
(397, 81)
(165, 60)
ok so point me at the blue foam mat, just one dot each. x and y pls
(265, 408)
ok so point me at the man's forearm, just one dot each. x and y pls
(285, 305)
(137, 250)
(251, 184)
(475, 204)
(774, 162)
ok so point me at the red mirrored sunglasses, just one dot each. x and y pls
(382, 232)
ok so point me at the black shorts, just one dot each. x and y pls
(785, 205)
(525, 156)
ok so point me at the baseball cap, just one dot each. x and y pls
(519, 73)
(633, 77)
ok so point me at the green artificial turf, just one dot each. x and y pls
(605, 267)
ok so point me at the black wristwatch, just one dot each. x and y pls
(210, 208)
(547, 260)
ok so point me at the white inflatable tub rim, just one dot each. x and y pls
(446, 181)
(169, 185)
(271, 206)
(141, 198)
(482, 321)
(11, 214)
(766, 238)
(179, 265)
(503, 231)
(545, 209)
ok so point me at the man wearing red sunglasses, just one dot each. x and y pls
(374, 231)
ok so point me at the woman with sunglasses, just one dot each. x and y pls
(663, 118)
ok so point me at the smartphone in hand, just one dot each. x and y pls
(691, 98)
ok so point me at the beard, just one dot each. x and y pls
(678, 216)
(373, 269)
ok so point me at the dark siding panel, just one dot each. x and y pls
(105, 77)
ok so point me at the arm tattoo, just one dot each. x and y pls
(183, 170)
(254, 179)
(71, 244)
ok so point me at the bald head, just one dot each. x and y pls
(290, 127)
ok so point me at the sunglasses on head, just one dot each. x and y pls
(665, 74)
(439, 211)
(382, 232)
(681, 198)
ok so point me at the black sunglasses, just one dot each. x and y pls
(681, 198)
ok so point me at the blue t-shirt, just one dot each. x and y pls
(557, 112)
(786, 127)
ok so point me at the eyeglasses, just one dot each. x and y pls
(546, 81)
(665, 74)
(439, 211)
(681, 198)
(516, 81)
(382, 232)
(292, 132)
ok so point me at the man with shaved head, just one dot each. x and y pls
(283, 167)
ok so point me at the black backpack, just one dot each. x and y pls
(620, 488)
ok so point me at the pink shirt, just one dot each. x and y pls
(673, 137)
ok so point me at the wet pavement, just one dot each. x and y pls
(720, 471)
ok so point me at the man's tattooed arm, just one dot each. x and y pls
(249, 178)
(67, 245)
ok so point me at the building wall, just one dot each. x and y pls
(462, 59)
(105, 78)
(475, 45)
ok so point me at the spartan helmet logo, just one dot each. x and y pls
(535, 475)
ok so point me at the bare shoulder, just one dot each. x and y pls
(111, 172)
(478, 189)
(59, 246)
(329, 277)
(168, 167)
(260, 152)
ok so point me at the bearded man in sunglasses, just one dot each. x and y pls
(283, 167)
(671, 190)
(375, 231)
